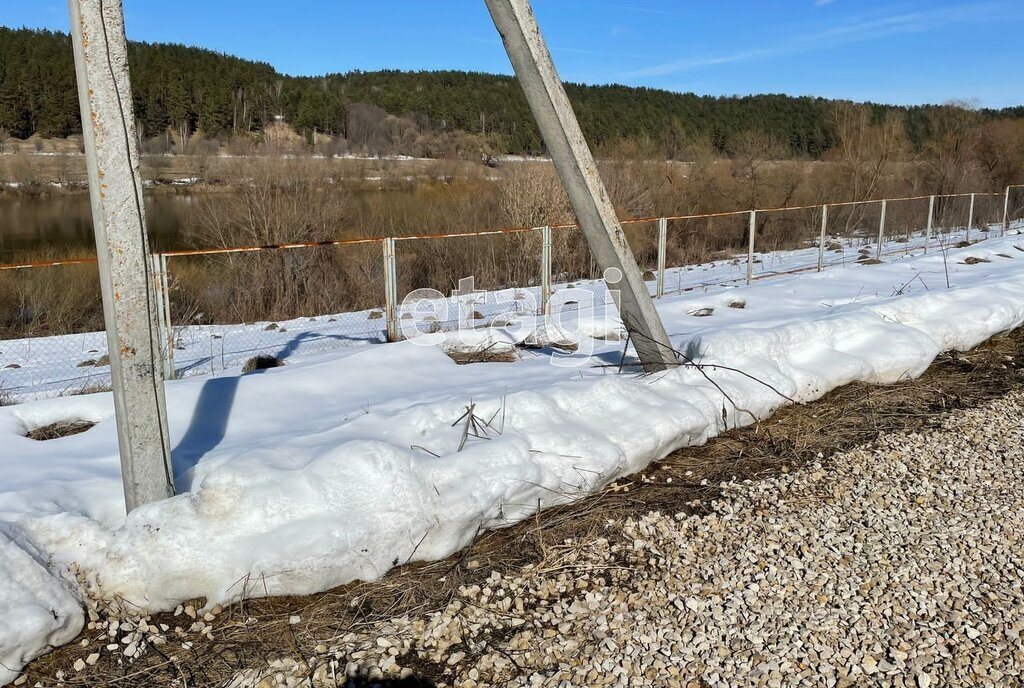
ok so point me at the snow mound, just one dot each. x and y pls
(340, 466)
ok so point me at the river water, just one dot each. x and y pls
(60, 225)
(63, 223)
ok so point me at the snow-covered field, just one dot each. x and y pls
(346, 463)
(43, 367)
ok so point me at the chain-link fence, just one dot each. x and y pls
(222, 307)
(227, 307)
(36, 301)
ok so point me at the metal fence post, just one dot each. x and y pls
(1006, 212)
(662, 254)
(161, 296)
(931, 220)
(122, 247)
(158, 294)
(390, 290)
(577, 170)
(165, 290)
(821, 238)
(970, 218)
(750, 246)
(881, 229)
(545, 270)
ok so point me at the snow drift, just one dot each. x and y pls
(339, 466)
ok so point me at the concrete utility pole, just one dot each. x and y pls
(122, 247)
(575, 164)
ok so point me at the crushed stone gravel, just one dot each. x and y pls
(898, 563)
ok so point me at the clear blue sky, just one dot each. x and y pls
(892, 51)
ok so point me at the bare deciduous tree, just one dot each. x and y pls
(372, 130)
(753, 154)
(530, 195)
(277, 201)
(867, 151)
(948, 156)
(999, 151)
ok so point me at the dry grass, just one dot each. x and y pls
(86, 388)
(851, 416)
(484, 354)
(55, 431)
(69, 168)
(51, 300)
(263, 200)
(262, 362)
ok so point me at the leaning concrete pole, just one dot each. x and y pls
(122, 247)
(575, 164)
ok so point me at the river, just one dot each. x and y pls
(60, 225)
(31, 224)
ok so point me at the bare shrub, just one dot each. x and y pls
(694, 186)
(60, 429)
(754, 155)
(372, 130)
(865, 156)
(284, 199)
(50, 300)
(531, 195)
(23, 171)
(947, 160)
(999, 152)
(274, 201)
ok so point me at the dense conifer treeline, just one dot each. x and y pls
(183, 90)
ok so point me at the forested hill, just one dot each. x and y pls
(184, 90)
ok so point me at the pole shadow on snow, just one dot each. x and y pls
(209, 421)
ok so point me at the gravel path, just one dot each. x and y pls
(896, 564)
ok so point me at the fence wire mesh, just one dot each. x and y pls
(785, 241)
(576, 277)
(643, 240)
(227, 306)
(34, 304)
(1013, 208)
(701, 251)
(448, 280)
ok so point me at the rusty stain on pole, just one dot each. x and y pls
(129, 302)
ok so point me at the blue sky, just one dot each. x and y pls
(882, 50)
